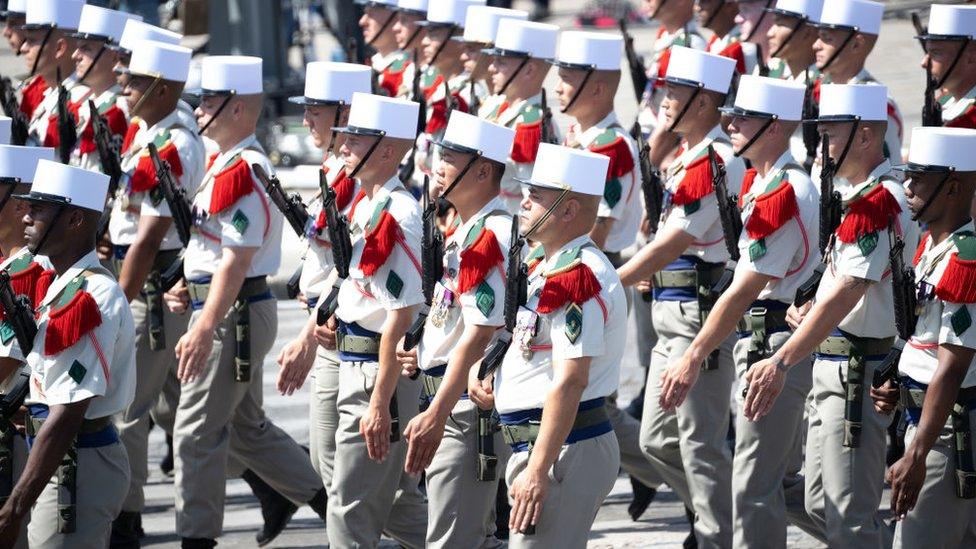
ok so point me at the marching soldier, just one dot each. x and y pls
(779, 209)
(13, 17)
(30, 275)
(409, 40)
(719, 17)
(94, 67)
(378, 21)
(791, 39)
(376, 305)
(933, 486)
(551, 389)
(848, 32)
(466, 313)
(82, 372)
(686, 259)
(234, 246)
(519, 65)
(31, 88)
(480, 30)
(851, 326)
(47, 51)
(146, 245)
(949, 50)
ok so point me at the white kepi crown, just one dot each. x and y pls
(382, 116)
(231, 74)
(589, 51)
(62, 14)
(159, 60)
(103, 24)
(138, 31)
(67, 185)
(806, 9)
(21, 162)
(329, 83)
(565, 168)
(413, 7)
(15, 7)
(448, 12)
(948, 22)
(5, 125)
(469, 134)
(941, 149)
(848, 102)
(695, 68)
(762, 97)
(517, 38)
(864, 16)
(481, 23)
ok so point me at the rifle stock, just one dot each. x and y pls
(67, 125)
(290, 206)
(904, 298)
(548, 135)
(728, 213)
(830, 214)
(516, 286)
(174, 195)
(19, 314)
(108, 148)
(337, 228)
(432, 262)
(638, 74)
(931, 108)
(811, 137)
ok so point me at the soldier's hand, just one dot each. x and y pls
(408, 361)
(885, 397)
(795, 315)
(177, 299)
(765, 382)
(481, 391)
(295, 360)
(104, 248)
(644, 286)
(302, 299)
(528, 492)
(375, 427)
(193, 350)
(676, 381)
(424, 432)
(326, 333)
(906, 477)
(9, 527)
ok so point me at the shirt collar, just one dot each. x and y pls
(589, 135)
(248, 142)
(849, 190)
(778, 166)
(8, 260)
(512, 111)
(88, 261)
(579, 241)
(461, 233)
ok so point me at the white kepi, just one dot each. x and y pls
(469, 134)
(231, 75)
(862, 16)
(568, 169)
(5, 125)
(481, 23)
(46, 14)
(762, 97)
(808, 10)
(853, 103)
(587, 50)
(695, 68)
(57, 183)
(518, 38)
(328, 83)
(448, 13)
(951, 22)
(381, 116)
(20, 163)
(941, 150)
(138, 31)
(103, 24)
(159, 60)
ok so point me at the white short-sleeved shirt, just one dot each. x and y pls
(791, 253)
(873, 316)
(113, 107)
(396, 284)
(650, 102)
(526, 376)
(101, 365)
(249, 222)
(481, 305)
(522, 112)
(700, 218)
(621, 199)
(940, 321)
(396, 72)
(130, 206)
(317, 266)
(955, 111)
(37, 126)
(9, 348)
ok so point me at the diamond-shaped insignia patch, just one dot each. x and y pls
(574, 322)
(77, 371)
(961, 320)
(757, 249)
(485, 298)
(240, 221)
(394, 284)
(612, 192)
(6, 332)
(692, 207)
(867, 243)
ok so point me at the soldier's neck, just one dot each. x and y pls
(593, 117)
(699, 131)
(559, 239)
(943, 227)
(513, 95)
(840, 74)
(722, 26)
(799, 62)
(859, 170)
(64, 262)
(234, 136)
(374, 182)
(677, 21)
(469, 206)
(963, 84)
(764, 160)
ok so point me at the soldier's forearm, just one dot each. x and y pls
(667, 246)
(825, 315)
(465, 355)
(942, 391)
(396, 325)
(559, 412)
(601, 230)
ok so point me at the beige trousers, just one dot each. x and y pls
(217, 416)
(323, 413)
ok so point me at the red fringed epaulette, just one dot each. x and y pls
(815, 93)
(144, 176)
(343, 187)
(958, 282)
(734, 51)
(478, 260)
(772, 210)
(52, 138)
(621, 159)
(44, 282)
(696, 183)
(526, 144)
(964, 120)
(26, 282)
(114, 118)
(68, 324)
(869, 213)
(130, 135)
(380, 240)
(391, 82)
(230, 185)
(32, 96)
(747, 180)
(576, 283)
(438, 113)
(921, 247)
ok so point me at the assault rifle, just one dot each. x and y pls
(475, 100)
(548, 136)
(728, 214)
(830, 212)
(811, 137)
(638, 74)
(179, 207)
(290, 205)
(652, 189)
(19, 315)
(905, 301)
(338, 231)
(516, 288)
(67, 125)
(432, 260)
(931, 108)
(108, 147)
(11, 108)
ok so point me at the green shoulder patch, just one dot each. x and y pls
(612, 191)
(608, 136)
(530, 113)
(574, 322)
(965, 244)
(394, 284)
(162, 138)
(77, 371)
(77, 284)
(6, 332)
(484, 297)
(961, 320)
(692, 207)
(867, 243)
(377, 212)
(757, 249)
(566, 260)
(20, 263)
(240, 221)
(474, 232)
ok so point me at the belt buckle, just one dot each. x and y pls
(758, 312)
